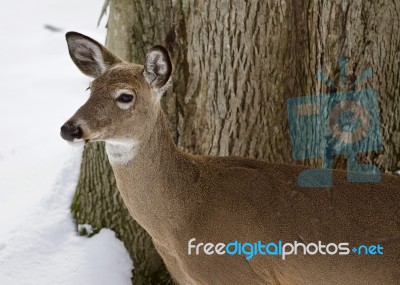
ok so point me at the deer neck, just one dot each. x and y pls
(152, 181)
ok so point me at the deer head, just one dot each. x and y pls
(124, 98)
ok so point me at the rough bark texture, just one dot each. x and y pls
(236, 63)
(246, 59)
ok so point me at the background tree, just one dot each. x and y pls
(236, 62)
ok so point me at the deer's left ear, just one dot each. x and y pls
(91, 57)
(158, 67)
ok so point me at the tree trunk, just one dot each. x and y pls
(236, 63)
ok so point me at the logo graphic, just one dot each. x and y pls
(280, 248)
(338, 123)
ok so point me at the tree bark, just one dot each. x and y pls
(236, 64)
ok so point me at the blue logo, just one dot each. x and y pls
(338, 123)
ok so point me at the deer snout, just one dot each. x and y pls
(70, 132)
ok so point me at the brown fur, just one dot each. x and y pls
(176, 196)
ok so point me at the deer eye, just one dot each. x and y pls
(124, 98)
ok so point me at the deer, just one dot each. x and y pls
(194, 205)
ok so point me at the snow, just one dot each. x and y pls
(85, 229)
(40, 88)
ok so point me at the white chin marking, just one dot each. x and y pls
(77, 142)
(120, 152)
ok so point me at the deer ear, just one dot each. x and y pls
(158, 67)
(90, 57)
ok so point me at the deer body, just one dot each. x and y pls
(176, 196)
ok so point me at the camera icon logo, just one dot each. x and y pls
(339, 123)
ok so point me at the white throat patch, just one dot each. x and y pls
(120, 152)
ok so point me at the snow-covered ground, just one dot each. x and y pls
(40, 88)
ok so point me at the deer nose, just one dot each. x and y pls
(69, 132)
